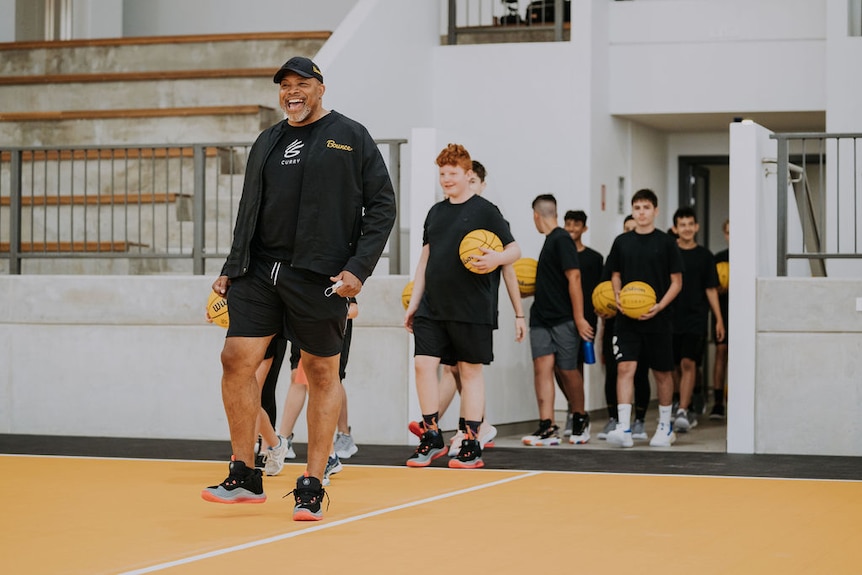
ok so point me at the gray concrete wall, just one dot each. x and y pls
(125, 356)
(808, 392)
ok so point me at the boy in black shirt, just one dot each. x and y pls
(453, 311)
(652, 256)
(691, 311)
(591, 263)
(557, 327)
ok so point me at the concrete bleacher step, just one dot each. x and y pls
(162, 89)
(155, 53)
(202, 124)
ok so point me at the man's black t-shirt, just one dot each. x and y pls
(552, 304)
(275, 233)
(691, 308)
(452, 292)
(591, 263)
(650, 258)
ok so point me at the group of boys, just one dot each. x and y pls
(455, 329)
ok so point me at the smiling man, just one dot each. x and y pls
(316, 211)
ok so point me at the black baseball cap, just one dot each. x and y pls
(302, 66)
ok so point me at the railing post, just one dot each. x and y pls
(452, 37)
(395, 234)
(559, 17)
(781, 207)
(15, 212)
(198, 211)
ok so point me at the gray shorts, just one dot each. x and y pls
(561, 340)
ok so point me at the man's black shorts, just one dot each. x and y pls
(274, 297)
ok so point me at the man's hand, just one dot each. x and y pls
(350, 284)
(220, 285)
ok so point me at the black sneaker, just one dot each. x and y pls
(717, 412)
(580, 429)
(544, 435)
(470, 456)
(308, 496)
(243, 485)
(431, 447)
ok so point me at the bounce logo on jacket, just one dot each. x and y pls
(291, 152)
(337, 146)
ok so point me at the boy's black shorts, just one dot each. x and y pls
(654, 349)
(688, 346)
(274, 298)
(453, 341)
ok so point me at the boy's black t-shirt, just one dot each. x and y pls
(723, 256)
(552, 304)
(452, 292)
(591, 263)
(275, 232)
(691, 307)
(649, 258)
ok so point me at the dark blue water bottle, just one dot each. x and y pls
(589, 352)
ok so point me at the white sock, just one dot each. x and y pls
(624, 410)
(664, 413)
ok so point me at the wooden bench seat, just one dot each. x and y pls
(181, 39)
(41, 116)
(108, 154)
(72, 247)
(97, 200)
(145, 76)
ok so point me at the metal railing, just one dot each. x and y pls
(818, 202)
(507, 16)
(156, 209)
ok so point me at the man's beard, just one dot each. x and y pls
(300, 116)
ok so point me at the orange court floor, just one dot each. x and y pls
(529, 511)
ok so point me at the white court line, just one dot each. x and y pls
(322, 526)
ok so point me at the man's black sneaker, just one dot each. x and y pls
(469, 457)
(243, 485)
(431, 447)
(308, 496)
(717, 412)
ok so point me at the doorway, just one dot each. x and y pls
(704, 186)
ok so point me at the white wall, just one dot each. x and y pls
(7, 23)
(691, 56)
(97, 19)
(843, 80)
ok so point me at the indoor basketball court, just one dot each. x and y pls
(562, 509)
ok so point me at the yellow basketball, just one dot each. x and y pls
(469, 248)
(636, 298)
(723, 269)
(405, 295)
(217, 310)
(525, 271)
(603, 299)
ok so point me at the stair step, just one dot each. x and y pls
(163, 126)
(157, 52)
(170, 89)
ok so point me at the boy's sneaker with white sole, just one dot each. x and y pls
(580, 429)
(664, 435)
(621, 436)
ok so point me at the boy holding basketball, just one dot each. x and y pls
(453, 311)
(649, 255)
